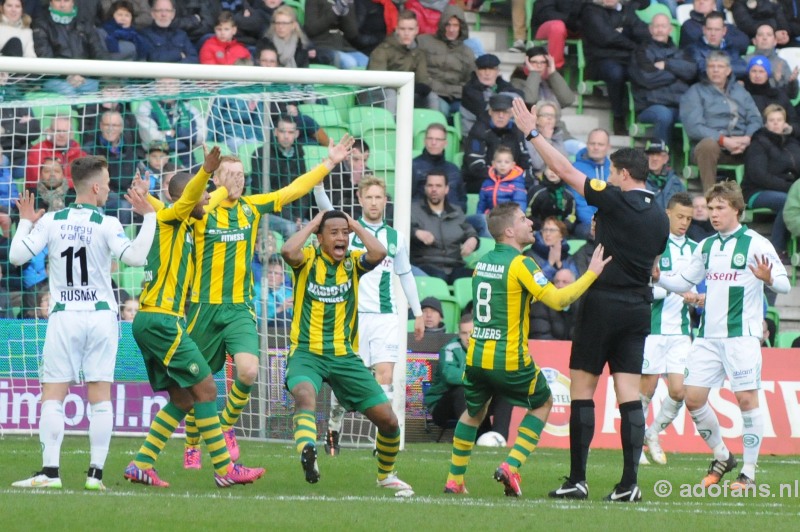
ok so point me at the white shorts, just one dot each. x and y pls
(378, 338)
(665, 354)
(80, 341)
(738, 359)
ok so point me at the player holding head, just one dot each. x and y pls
(736, 263)
(498, 362)
(377, 305)
(172, 359)
(82, 330)
(670, 338)
(326, 287)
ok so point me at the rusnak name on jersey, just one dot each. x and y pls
(78, 295)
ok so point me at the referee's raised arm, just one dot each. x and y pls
(526, 121)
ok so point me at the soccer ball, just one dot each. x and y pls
(491, 439)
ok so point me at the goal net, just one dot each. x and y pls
(157, 119)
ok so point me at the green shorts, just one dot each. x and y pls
(170, 355)
(228, 328)
(526, 387)
(351, 381)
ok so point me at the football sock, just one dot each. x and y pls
(305, 429)
(752, 435)
(645, 405)
(161, 429)
(632, 436)
(530, 429)
(581, 432)
(192, 434)
(238, 398)
(101, 425)
(463, 442)
(51, 433)
(208, 423)
(667, 414)
(388, 445)
(708, 426)
(336, 416)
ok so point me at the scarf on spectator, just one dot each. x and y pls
(286, 49)
(178, 115)
(53, 197)
(116, 33)
(63, 17)
(390, 15)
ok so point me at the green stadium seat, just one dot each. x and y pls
(245, 153)
(425, 117)
(382, 165)
(575, 244)
(340, 97)
(380, 138)
(487, 245)
(39, 111)
(472, 203)
(361, 118)
(462, 290)
(452, 313)
(785, 339)
(432, 287)
(313, 155)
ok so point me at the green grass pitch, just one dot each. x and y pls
(346, 497)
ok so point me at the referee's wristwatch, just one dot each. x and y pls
(532, 135)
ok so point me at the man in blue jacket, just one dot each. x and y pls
(592, 161)
(166, 41)
(714, 40)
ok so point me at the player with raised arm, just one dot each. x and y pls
(736, 263)
(82, 330)
(171, 357)
(377, 304)
(326, 286)
(615, 317)
(221, 317)
(498, 362)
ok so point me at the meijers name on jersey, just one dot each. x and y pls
(491, 271)
(723, 276)
(329, 294)
(78, 295)
(72, 233)
(486, 333)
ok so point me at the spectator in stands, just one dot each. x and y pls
(121, 158)
(547, 120)
(449, 60)
(660, 74)
(342, 182)
(791, 210)
(266, 54)
(692, 29)
(60, 35)
(783, 77)
(506, 183)
(700, 227)
(538, 79)
(113, 99)
(376, 20)
(791, 9)
(155, 164)
(159, 184)
(551, 250)
(58, 144)
(440, 235)
(166, 42)
(772, 165)
(750, 14)
(720, 117)
(8, 189)
(223, 48)
(483, 83)
(554, 21)
(294, 48)
(401, 53)
(10, 275)
(593, 162)
(52, 189)
(196, 18)
(714, 32)
(235, 120)
(34, 283)
(128, 309)
(583, 256)
(432, 315)
(661, 180)
(612, 32)
(428, 12)
(489, 132)
(432, 156)
(551, 198)
(122, 40)
(279, 296)
(331, 26)
(18, 127)
(252, 17)
(759, 84)
(16, 36)
(141, 10)
(549, 324)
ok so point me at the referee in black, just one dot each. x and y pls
(614, 319)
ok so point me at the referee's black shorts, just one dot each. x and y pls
(611, 328)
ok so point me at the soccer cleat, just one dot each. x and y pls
(332, 443)
(39, 480)
(148, 477)
(654, 448)
(620, 494)
(511, 481)
(94, 484)
(717, 470)
(308, 459)
(742, 483)
(643, 459)
(238, 474)
(192, 457)
(393, 483)
(569, 490)
(454, 487)
(232, 444)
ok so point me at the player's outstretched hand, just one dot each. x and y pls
(763, 269)
(141, 184)
(26, 205)
(525, 120)
(598, 262)
(339, 152)
(211, 160)
(139, 202)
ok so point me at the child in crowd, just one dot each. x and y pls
(223, 48)
(506, 183)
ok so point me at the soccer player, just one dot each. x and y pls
(615, 318)
(326, 283)
(670, 337)
(735, 263)
(82, 330)
(221, 317)
(377, 305)
(171, 357)
(498, 362)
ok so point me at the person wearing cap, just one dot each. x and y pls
(483, 83)
(759, 84)
(781, 74)
(432, 315)
(491, 131)
(661, 179)
(660, 74)
(719, 117)
(715, 40)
